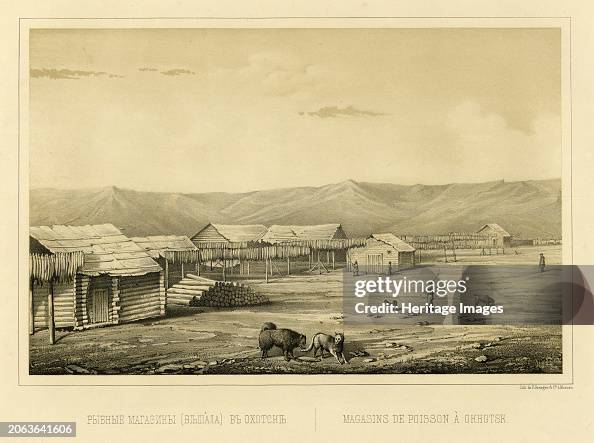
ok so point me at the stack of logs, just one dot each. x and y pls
(230, 294)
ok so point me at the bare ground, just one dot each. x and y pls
(211, 341)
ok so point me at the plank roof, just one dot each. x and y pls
(397, 243)
(497, 228)
(235, 233)
(156, 245)
(279, 234)
(106, 250)
(287, 233)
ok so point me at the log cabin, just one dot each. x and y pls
(382, 251)
(117, 281)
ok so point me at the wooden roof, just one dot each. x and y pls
(498, 229)
(106, 250)
(156, 245)
(395, 242)
(231, 233)
(280, 234)
(289, 233)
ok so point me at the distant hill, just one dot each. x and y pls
(526, 209)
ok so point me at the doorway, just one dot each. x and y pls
(99, 312)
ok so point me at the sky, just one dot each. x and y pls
(236, 110)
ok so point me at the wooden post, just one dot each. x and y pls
(31, 311)
(198, 267)
(182, 269)
(327, 257)
(248, 267)
(333, 260)
(445, 254)
(310, 258)
(266, 268)
(166, 276)
(288, 266)
(50, 314)
(224, 263)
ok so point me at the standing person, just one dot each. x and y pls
(541, 262)
(389, 268)
(356, 268)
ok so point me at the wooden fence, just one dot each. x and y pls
(454, 240)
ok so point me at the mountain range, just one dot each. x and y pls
(526, 209)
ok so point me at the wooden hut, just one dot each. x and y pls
(382, 251)
(222, 246)
(117, 281)
(500, 237)
(176, 254)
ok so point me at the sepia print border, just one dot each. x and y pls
(26, 23)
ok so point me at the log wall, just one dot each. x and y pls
(406, 260)
(63, 305)
(141, 297)
(82, 283)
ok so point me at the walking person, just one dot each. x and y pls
(356, 268)
(541, 262)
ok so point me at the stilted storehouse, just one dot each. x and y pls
(381, 253)
(324, 238)
(230, 245)
(116, 281)
(222, 246)
(176, 254)
(500, 237)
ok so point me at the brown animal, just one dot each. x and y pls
(285, 339)
(333, 344)
(267, 326)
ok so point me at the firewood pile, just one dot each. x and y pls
(229, 294)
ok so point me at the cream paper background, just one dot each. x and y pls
(314, 405)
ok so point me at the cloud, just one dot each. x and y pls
(179, 71)
(335, 111)
(483, 140)
(68, 74)
(278, 75)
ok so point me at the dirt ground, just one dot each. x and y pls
(224, 341)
